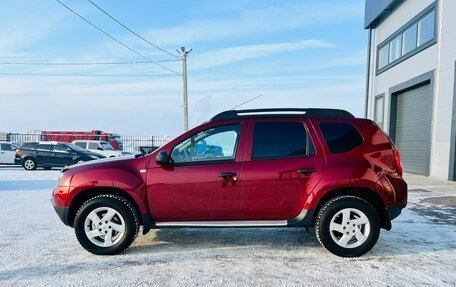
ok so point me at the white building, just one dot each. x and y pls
(411, 83)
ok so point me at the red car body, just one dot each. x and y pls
(179, 194)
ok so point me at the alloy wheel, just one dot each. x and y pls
(104, 226)
(349, 228)
(29, 164)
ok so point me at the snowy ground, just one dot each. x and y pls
(36, 249)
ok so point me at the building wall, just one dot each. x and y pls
(444, 94)
(439, 58)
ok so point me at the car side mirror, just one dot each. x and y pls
(68, 150)
(99, 148)
(163, 158)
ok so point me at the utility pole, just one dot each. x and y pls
(183, 57)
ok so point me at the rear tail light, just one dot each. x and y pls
(397, 161)
(19, 151)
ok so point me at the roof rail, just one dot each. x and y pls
(233, 114)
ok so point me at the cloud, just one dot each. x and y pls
(241, 53)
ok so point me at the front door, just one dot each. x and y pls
(62, 155)
(280, 170)
(7, 153)
(199, 185)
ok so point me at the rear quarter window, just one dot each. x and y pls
(29, 145)
(45, 147)
(340, 137)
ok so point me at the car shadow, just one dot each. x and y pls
(280, 238)
(399, 241)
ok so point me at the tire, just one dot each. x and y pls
(78, 161)
(29, 164)
(347, 226)
(91, 228)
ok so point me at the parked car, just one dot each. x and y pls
(204, 149)
(100, 147)
(52, 154)
(7, 152)
(277, 168)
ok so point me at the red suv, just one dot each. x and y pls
(276, 168)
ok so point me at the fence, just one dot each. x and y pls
(136, 144)
(133, 144)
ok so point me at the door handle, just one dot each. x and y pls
(228, 175)
(307, 170)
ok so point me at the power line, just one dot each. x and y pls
(131, 31)
(78, 75)
(116, 40)
(82, 63)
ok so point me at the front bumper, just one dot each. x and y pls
(61, 211)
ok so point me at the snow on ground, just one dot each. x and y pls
(36, 249)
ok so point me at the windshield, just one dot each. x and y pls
(106, 146)
(75, 147)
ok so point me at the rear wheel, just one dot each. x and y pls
(106, 224)
(347, 226)
(29, 164)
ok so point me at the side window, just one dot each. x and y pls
(280, 139)
(214, 144)
(30, 145)
(5, 147)
(93, 145)
(81, 144)
(45, 147)
(60, 148)
(340, 137)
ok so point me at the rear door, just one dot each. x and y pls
(44, 154)
(282, 166)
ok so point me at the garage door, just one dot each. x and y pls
(413, 133)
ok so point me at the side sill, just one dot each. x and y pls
(234, 223)
(304, 219)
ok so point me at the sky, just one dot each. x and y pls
(300, 53)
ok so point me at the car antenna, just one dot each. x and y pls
(260, 95)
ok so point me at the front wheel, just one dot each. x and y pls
(106, 224)
(347, 226)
